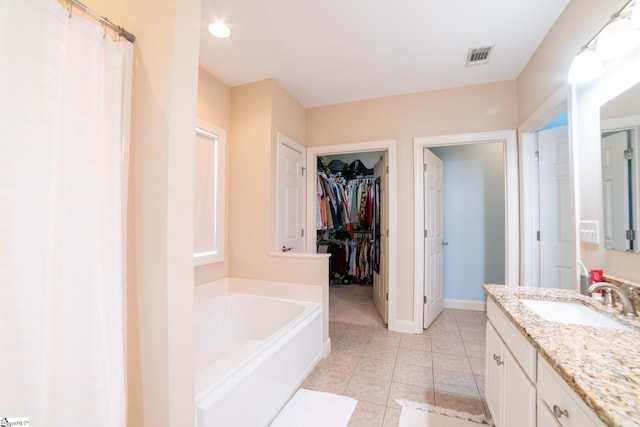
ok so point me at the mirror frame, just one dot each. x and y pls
(586, 170)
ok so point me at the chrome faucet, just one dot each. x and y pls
(627, 304)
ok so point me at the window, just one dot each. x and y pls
(209, 194)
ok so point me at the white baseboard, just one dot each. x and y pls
(326, 347)
(405, 326)
(460, 304)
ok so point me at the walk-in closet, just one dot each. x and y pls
(350, 226)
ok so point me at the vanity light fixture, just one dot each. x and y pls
(586, 66)
(617, 37)
(219, 30)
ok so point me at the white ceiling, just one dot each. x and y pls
(333, 51)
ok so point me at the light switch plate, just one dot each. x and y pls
(590, 232)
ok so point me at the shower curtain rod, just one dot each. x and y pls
(118, 29)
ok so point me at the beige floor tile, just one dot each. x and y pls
(451, 362)
(472, 405)
(379, 351)
(409, 392)
(450, 347)
(480, 383)
(356, 336)
(444, 326)
(445, 335)
(455, 382)
(350, 346)
(391, 417)
(447, 314)
(469, 315)
(472, 326)
(367, 389)
(475, 350)
(367, 415)
(411, 356)
(340, 360)
(418, 342)
(326, 380)
(473, 337)
(477, 365)
(414, 375)
(386, 337)
(375, 368)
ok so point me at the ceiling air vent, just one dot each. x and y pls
(479, 55)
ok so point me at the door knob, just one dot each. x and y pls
(286, 249)
(444, 243)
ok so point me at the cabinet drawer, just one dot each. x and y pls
(560, 403)
(522, 350)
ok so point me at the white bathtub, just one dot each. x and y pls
(251, 355)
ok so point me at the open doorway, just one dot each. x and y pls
(504, 146)
(357, 180)
(350, 214)
(549, 248)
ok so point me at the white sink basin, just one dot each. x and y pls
(574, 313)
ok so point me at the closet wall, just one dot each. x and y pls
(348, 216)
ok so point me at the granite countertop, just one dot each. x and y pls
(601, 365)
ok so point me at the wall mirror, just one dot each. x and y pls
(620, 131)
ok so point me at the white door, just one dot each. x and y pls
(615, 187)
(291, 191)
(433, 237)
(381, 279)
(555, 209)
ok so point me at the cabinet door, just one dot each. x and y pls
(519, 403)
(545, 416)
(561, 402)
(493, 374)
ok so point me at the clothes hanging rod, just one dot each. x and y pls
(118, 29)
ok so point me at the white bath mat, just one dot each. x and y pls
(416, 414)
(315, 409)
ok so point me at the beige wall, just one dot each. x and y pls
(214, 106)
(160, 265)
(258, 111)
(460, 110)
(544, 74)
(547, 70)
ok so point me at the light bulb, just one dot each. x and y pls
(586, 66)
(635, 15)
(616, 39)
(219, 30)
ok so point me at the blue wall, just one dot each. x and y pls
(474, 218)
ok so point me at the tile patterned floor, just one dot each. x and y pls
(443, 366)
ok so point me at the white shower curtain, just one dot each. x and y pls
(64, 106)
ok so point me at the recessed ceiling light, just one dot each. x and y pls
(219, 30)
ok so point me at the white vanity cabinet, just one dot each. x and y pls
(510, 390)
(558, 405)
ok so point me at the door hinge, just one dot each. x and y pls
(386, 296)
(425, 167)
(426, 234)
(631, 234)
(628, 154)
(387, 169)
(302, 232)
(536, 155)
(425, 299)
(538, 235)
(387, 232)
(302, 169)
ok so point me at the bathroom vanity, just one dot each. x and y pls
(581, 368)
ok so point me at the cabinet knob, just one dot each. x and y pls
(558, 413)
